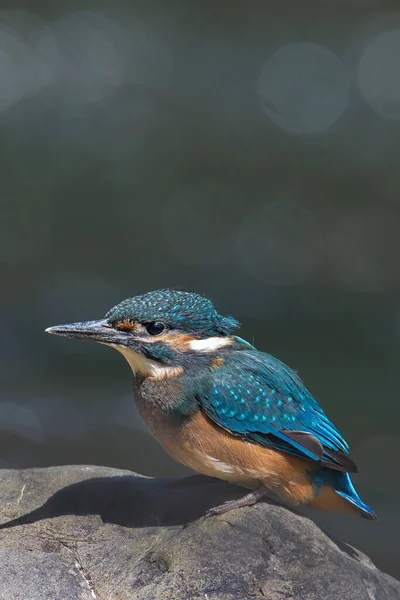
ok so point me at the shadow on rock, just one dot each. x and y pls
(133, 501)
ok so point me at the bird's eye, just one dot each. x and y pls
(155, 328)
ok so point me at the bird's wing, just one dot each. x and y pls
(257, 397)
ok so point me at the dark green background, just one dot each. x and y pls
(205, 145)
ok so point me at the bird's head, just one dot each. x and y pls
(159, 332)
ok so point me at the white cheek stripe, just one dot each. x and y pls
(210, 344)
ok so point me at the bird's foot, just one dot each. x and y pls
(248, 500)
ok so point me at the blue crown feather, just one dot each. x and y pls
(187, 311)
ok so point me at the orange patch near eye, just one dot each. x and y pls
(178, 340)
(125, 325)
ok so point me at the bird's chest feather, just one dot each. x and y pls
(190, 437)
(164, 408)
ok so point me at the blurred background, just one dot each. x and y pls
(249, 151)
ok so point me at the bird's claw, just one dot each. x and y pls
(248, 500)
(222, 508)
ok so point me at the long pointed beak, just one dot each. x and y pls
(97, 331)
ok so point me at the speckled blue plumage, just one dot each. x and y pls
(258, 396)
(181, 310)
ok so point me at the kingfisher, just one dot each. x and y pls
(224, 408)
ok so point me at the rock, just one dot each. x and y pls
(96, 533)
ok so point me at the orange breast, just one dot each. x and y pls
(200, 444)
(205, 447)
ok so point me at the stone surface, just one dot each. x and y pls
(89, 533)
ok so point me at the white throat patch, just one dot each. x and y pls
(145, 366)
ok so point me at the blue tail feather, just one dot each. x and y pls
(342, 484)
(344, 487)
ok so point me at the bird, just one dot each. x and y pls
(222, 407)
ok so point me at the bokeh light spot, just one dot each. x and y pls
(59, 418)
(27, 56)
(304, 88)
(91, 65)
(20, 420)
(379, 74)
